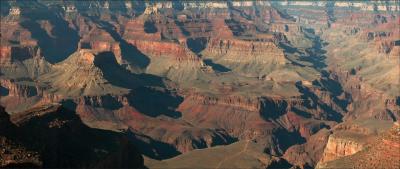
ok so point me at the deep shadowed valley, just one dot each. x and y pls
(200, 84)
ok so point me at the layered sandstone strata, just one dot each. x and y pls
(257, 73)
(233, 50)
(340, 147)
(382, 152)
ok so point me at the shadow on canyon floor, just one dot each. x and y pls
(313, 102)
(316, 53)
(196, 45)
(4, 91)
(336, 90)
(154, 103)
(61, 42)
(121, 77)
(64, 141)
(148, 101)
(216, 67)
(271, 109)
(182, 28)
(286, 139)
(150, 27)
(129, 52)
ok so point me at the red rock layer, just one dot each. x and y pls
(383, 152)
(170, 50)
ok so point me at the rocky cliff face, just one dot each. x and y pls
(380, 106)
(84, 74)
(382, 152)
(181, 138)
(365, 87)
(351, 138)
(236, 49)
(308, 154)
(258, 117)
(305, 82)
(340, 147)
(18, 90)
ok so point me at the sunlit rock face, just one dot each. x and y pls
(336, 148)
(382, 151)
(274, 84)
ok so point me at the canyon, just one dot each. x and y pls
(47, 136)
(199, 84)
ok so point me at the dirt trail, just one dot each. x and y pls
(233, 156)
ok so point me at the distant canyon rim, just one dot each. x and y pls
(200, 84)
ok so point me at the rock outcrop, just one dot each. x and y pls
(81, 74)
(21, 56)
(234, 51)
(382, 152)
(299, 83)
(337, 147)
(308, 154)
